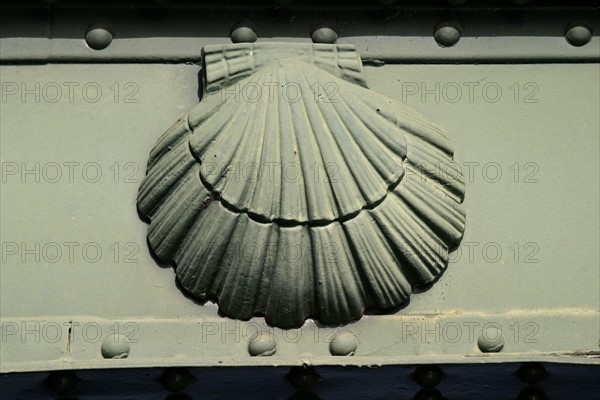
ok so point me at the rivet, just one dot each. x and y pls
(61, 383)
(303, 377)
(115, 346)
(532, 394)
(98, 36)
(176, 379)
(532, 373)
(428, 394)
(262, 344)
(243, 32)
(343, 344)
(428, 376)
(447, 34)
(578, 34)
(491, 340)
(324, 35)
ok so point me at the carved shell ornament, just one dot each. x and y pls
(292, 191)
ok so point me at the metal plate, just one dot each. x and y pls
(76, 270)
(498, 381)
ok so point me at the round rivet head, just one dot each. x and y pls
(324, 35)
(262, 344)
(98, 37)
(532, 373)
(243, 34)
(343, 344)
(428, 376)
(62, 383)
(447, 34)
(491, 340)
(115, 346)
(578, 34)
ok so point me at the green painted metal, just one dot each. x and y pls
(79, 288)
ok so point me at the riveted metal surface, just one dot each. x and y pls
(469, 382)
(80, 290)
(177, 32)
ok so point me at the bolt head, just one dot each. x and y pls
(61, 383)
(491, 340)
(176, 379)
(447, 34)
(243, 34)
(343, 344)
(262, 344)
(578, 34)
(303, 377)
(98, 36)
(115, 346)
(428, 376)
(324, 35)
(532, 373)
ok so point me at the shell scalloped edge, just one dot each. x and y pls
(315, 206)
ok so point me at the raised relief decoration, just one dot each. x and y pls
(293, 191)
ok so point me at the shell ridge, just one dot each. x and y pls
(223, 150)
(360, 146)
(171, 138)
(262, 196)
(374, 255)
(434, 165)
(419, 171)
(269, 296)
(162, 178)
(357, 246)
(327, 198)
(225, 285)
(338, 160)
(299, 190)
(415, 127)
(336, 275)
(365, 176)
(391, 232)
(420, 234)
(411, 237)
(361, 110)
(265, 263)
(291, 306)
(239, 193)
(203, 136)
(224, 261)
(374, 157)
(240, 250)
(175, 215)
(447, 221)
(201, 265)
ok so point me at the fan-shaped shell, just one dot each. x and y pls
(315, 205)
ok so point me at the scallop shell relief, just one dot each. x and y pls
(293, 191)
